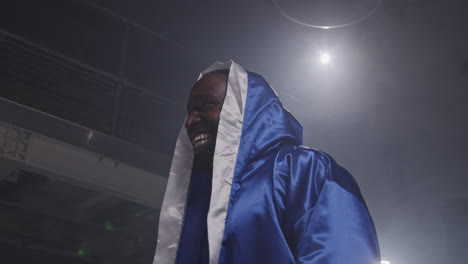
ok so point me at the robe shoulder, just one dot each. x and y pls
(301, 173)
(316, 199)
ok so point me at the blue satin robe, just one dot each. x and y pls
(310, 211)
(289, 203)
(194, 238)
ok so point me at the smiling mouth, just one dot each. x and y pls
(199, 140)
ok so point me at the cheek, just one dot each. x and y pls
(214, 119)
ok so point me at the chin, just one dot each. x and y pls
(204, 151)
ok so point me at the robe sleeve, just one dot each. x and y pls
(335, 226)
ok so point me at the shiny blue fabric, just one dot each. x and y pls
(194, 238)
(289, 203)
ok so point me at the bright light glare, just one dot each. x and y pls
(385, 262)
(325, 58)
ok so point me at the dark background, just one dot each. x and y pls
(391, 107)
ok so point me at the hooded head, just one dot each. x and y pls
(203, 113)
(249, 124)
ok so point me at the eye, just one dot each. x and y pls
(205, 106)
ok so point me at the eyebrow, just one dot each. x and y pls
(202, 96)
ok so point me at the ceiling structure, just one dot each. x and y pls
(390, 107)
(50, 221)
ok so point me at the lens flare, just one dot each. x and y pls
(325, 58)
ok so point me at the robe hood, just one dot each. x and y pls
(253, 123)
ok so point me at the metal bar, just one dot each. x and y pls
(85, 67)
(65, 131)
(141, 27)
(118, 91)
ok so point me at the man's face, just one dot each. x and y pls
(203, 110)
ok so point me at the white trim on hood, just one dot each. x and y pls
(225, 156)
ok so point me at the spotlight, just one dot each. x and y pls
(385, 262)
(325, 58)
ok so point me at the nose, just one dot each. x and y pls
(192, 118)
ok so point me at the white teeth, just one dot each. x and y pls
(200, 139)
(199, 143)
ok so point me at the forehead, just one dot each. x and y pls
(210, 84)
